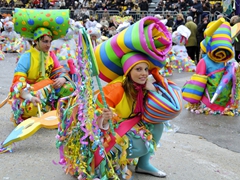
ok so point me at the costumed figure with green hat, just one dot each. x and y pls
(39, 79)
(130, 110)
(214, 87)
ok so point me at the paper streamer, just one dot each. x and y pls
(149, 36)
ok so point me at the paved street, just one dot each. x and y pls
(202, 148)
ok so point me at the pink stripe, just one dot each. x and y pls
(221, 39)
(166, 49)
(219, 70)
(200, 84)
(143, 42)
(133, 59)
(225, 26)
(213, 106)
(117, 50)
(104, 78)
(191, 100)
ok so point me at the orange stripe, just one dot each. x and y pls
(153, 116)
(156, 110)
(159, 102)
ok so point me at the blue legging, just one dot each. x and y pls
(140, 151)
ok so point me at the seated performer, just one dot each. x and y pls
(37, 67)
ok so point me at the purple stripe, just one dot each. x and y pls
(114, 44)
(200, 84)
(133, 59)
(143, 40)
(190, 100)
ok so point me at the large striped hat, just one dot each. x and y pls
(163, 105)
(148, 36)
(218, 46)
(131, 59)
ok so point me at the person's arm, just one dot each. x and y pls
(19, 87)
(113, 94)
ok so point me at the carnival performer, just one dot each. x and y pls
(182, 61)
(214, 87)
(38, 77)
(126, 95)
(12, 42)
(126, 124)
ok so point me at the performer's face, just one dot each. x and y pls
(139, 73)
(44, 43)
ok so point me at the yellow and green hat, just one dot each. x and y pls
(33, 23)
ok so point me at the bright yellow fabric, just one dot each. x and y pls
(34, 71)
(116, 98)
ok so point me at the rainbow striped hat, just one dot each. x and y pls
(149, 37)
(218, 46)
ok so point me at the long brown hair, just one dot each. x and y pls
(129, 88)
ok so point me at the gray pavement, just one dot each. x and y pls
(202, 148)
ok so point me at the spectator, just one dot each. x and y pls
(144, 5)
(205, 7)
(183, 5)
(192, 40)
(236, 44)
(129, 4)
(91, 22)
(136, 9)
(112, 31)
(200, 34)
(104, 22)
(196, 10)
(160, 6)
(179, 21)
(168, 5)
(219, 7)
(170, 21)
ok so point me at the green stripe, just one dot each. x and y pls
(191, 86)
(111, 54)
(147, 38)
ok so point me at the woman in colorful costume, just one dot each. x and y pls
(212, 90)
(38, 78)
(131, 126)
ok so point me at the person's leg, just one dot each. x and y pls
(197, 54)
(191, 53)
(144, 165)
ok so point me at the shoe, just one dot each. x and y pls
(160, 174)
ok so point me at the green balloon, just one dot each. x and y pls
(27, 21)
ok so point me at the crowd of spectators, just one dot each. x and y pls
(175, 11)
